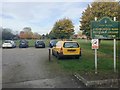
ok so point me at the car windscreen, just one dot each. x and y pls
(70, 45)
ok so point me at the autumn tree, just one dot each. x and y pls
(22, 35)
(63, 28)
(79, 33)
(99, 10)
(52, 35)
(28, 32)
(36, 36)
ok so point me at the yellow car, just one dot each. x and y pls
(66, 48)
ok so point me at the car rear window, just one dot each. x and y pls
(7, 41)
(23, 41)
(40, 42)
(70, 45)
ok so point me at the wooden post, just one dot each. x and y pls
(49, 54)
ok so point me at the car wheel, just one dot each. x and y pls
(53, 53)
(58, 56)
(44, 46)
(35, 46)
(77, 57)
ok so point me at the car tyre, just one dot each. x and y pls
(58, 56)
(44, 46)
(77, 57)
(35, 46)
(53, 53)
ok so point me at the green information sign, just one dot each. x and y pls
(105, 28)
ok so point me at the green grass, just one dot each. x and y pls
(85, 65)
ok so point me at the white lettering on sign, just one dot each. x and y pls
(95, 43)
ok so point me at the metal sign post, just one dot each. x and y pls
(95, 61)
(95, 45)
(114, 55)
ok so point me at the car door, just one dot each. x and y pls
(57, 47)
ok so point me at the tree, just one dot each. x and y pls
(22, 35)
(52, 35)
(7, 34)
(99, 10)
(80, 33)
(43, 36)
(62, 29)
(26, 33)
(36, 36)
(47, 35)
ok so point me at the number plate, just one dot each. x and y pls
(72, 50)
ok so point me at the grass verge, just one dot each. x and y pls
(85, 65)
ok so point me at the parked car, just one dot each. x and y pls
(13, 44)
(66, 48)
(23, 44)
(52, 43)
(8, 44)
(39, 44)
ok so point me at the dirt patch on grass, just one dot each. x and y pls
(101, 79)
(99, 75)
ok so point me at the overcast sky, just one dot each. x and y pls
(40, 16)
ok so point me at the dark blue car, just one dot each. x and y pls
(52, 43)
(23, 44)
(39, 44)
